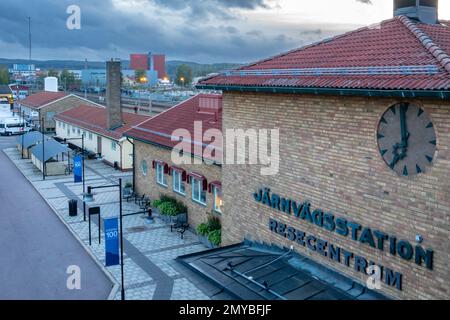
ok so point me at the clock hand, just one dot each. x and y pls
(404, 131)
(403, 146)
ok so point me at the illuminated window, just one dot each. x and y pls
(218, 201)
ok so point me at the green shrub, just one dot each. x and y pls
(214, 223)
(128, 185)
(166, 198)
(168, 209)
(202, 229)
(215, 237)
(156, 203)
(180, 207)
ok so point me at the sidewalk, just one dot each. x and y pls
(150, 269)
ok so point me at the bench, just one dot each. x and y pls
(180, 224)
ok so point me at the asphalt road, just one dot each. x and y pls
(36, 248)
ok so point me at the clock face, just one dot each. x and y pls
(406, 139)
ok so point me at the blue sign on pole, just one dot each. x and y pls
(78, 169)
(112, 241)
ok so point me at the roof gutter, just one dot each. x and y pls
(436, 94)
(165, 147)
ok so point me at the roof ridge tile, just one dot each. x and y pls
(440, 55)
(310, 45)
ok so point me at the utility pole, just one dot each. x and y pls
(29, 46)
(29, 39)
(85, 86)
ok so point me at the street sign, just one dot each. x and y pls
(112, 241)
(78, 169)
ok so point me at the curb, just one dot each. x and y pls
(116, 285)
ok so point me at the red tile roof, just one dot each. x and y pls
(94, 119)
(397, 54)
(40, 99)
(203, 108)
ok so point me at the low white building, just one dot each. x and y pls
(115, 149)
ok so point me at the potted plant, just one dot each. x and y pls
(202, 232)
(167, 210)
(215, 238)
(210, 233)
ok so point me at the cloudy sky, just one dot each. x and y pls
(194, 30)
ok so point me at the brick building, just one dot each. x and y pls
(91, 121)
(195, 183)
(364, 126)
(47, 104)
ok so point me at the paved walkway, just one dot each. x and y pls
(37, 248)
(151, 271)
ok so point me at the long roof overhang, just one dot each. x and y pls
(397, 93)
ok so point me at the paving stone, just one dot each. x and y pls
(153, 242)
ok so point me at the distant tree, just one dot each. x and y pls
(184, 75)
(4, 76)
(67, 79)
(52, 73)
(141, 76)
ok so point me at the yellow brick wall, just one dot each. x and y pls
(61, 106)
(147, 185)
(329, 156)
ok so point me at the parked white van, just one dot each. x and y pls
(13, 125)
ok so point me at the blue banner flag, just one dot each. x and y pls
(112, 241)
(78, 169)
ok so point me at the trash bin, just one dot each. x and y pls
(73, 210)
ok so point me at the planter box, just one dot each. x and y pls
(172, 219)
(165, 218)
(204, 240)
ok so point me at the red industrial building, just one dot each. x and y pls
(150, 62)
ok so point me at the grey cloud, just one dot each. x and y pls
(365, 1)
(108, 31)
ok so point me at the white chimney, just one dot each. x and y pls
(426, 11)
(51, 84)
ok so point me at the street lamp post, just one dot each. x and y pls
(89, 197)
(43, 148)
(83, 157)
(23, 133)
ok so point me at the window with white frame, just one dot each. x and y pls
(161, 178)
(178, 183)
(198, 194)
(90, 136)
(64, 125)
(73, 129)
(144, 167)
(113, 146)
(79, 131)
(218, 202)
